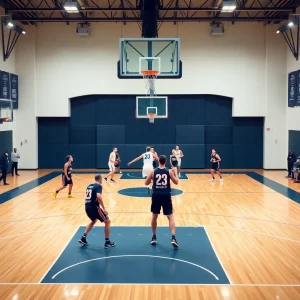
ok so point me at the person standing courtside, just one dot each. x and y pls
(111, 165)
(66, 177)
(161, 197)
(179, 155)
(4, 166)
(14, 157)
(95, 210)
(291, 159)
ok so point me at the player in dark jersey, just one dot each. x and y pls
(117, 162)
(215, 165)
(161, 197)
(154, 161)
(95, 210)
(174, 162)
(66, 177)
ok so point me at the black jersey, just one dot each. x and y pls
(91, 194)
(69, 170)
(214, 161)
(174, 160)
(117, 156)
(161, 182)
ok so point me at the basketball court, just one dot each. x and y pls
(239, 238)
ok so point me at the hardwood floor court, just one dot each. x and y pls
(247, 227)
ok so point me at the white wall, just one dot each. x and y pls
(247, 64)
(275, 140)
(232, 65)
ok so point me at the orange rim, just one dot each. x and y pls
(151, 116)
(150, 72)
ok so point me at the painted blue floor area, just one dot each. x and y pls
(279, 188)
(138, 175)
(142, 192)
(26, 187)
(134, 260)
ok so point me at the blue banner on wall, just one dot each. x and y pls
(4, 85)
(14, 87)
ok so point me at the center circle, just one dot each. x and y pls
(142, 192)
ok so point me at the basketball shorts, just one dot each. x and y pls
(154, 164)
(215, 167)
(175, 164)
(111, 166)
(161, 201)
(147, 170)
(65, 182)
(96, 213)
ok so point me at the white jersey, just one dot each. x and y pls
(148, 160)
(177, 154)
(112, 157)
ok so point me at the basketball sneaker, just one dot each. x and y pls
(174, 243)
(112, 180)
(153, 240)
(221, 179)
(71, 196)
(55, 194)
(212, 180)
(83, 241)
(109, 244)
(105, 179)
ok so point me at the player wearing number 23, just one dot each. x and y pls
(161, 197)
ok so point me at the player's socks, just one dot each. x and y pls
(105, 178)
(153, 240)
(112, 180)
(174, 242)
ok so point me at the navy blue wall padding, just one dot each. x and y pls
(224, 151)
(84, 110)
(248, 156)
(84, 156)
(53, 131)
(196, 122)
(84, 134)
(218, 111)
(110, 134)
(219, 134)
(53, 159)
(294, 141)
(190, 134)
(144, 133)
(248, 131)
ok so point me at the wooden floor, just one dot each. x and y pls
(254, 230)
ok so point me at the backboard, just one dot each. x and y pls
(157, 105)
(151, 54)
(6, 110)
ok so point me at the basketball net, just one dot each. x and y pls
(149, 78)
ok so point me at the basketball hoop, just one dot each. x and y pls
(151, 117)
(149, 77)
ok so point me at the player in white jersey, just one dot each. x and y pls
(148, 158)
(179, 155)
(111, 165)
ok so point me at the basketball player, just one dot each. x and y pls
(154, 161)
(215, 165)
(161, 197)
(117, 163)
(179, 155)
(66, 177)
(111, 165)
(173, 162)
(148, 158)
(95, 210)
